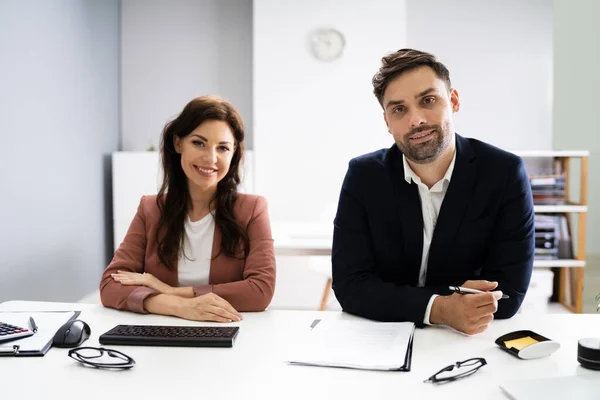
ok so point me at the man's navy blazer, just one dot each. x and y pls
(484, 231)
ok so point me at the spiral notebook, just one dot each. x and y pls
(48, 323)
(360, 344)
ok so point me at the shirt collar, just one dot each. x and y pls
(410, 176)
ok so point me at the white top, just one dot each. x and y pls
(194, 267)
(431, 202)
(258, 357)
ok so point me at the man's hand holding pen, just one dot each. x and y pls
(467, 290)
(470, 313)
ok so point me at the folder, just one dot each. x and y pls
(359, 344)
(48, 323)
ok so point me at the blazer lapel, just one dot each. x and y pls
(454, 205)
(410, 216)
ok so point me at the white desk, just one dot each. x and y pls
(302, 239)
(254, 367)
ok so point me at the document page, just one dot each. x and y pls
(359, 344)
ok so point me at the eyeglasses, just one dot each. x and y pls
(85, 354)
(456, 371)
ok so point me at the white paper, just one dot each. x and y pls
(359, 344)
(579, 387)
(48, 324)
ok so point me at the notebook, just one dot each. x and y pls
(580, 387)
(47, 323)
(360, 344)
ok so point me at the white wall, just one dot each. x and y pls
(173, 51)
(59, 107)
(576, 85)
(312, 117)
(499, 53)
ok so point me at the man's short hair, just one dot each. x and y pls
(395, 64)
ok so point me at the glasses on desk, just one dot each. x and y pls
(91, 356)
(461, 369)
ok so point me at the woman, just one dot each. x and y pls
(198, 250)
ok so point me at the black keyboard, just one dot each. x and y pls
(12, 332)
(158, 335)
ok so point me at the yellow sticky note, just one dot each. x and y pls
(520, 343)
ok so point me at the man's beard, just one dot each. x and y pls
(426, 152)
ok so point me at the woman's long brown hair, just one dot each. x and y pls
(173, 198)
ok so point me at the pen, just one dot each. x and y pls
(462, 290)
(34, 327)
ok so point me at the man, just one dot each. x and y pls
(434, 210)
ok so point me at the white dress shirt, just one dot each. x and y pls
(198, 242)
(431, 202)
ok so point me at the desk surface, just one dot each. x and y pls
(254, 367)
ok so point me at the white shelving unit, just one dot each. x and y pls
(570, 270)
(552, 153)
(558, 263)
(568, 208)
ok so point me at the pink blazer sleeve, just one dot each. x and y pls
(130, 256)
(255, 291)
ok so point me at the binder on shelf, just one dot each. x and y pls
(565, 245)
(547, 235)
(552, 237)
(545, 243)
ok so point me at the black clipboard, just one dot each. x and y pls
(18, 349)
(408, 358)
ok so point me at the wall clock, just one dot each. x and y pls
(327, 44)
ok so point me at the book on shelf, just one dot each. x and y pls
(549, 200)
(547, 179)
(548, 194)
